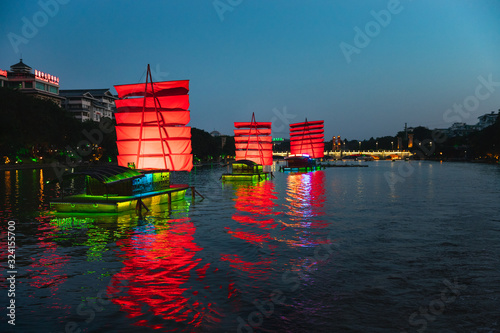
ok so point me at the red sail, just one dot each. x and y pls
(162, 103)
(168, 117)
(253, 138)
(150, 130)
(253, 141)
(252, 124)
(307, 138)
(165, 88)
(260, 132)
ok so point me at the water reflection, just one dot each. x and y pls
(306, 198)
(254, 220)
(47, 268)
(160, 257)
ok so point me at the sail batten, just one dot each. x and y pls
(165, 88)
(253, 141)
(307, 138)
(151, 129)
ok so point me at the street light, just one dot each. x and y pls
(359, 145)
(392, 145)
(376, 143)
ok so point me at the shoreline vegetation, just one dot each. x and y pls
(36, 133)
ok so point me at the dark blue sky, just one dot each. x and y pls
(364, 67)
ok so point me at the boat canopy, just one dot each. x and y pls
(105, 174)
(246, 162)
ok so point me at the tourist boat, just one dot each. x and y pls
(254, 149)
(152, 140)
(306, 145)
(358, 157)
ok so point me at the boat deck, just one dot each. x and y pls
(110, 198)
(246, 176)
(115, 203)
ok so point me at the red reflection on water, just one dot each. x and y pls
(256, 217)
(306, 195)
(254, 268)
(257, 200)
(47, 265)
(157, 265)
(250, 237)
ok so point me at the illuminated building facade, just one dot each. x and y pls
(3, 77)
(89, 104)
(32, 82)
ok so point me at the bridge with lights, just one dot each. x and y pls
(381, 154)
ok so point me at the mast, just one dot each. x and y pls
(151, 125)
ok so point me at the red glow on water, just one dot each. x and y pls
(250, 237)
(306, 198)
(254, 268)
(157, 266)
(255, 217)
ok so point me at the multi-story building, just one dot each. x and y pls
(3, 77)
(39, 84)
(463, 129)
(487, 120)
(89, 104)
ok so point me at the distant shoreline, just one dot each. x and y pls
(25, 166)
(28, 166)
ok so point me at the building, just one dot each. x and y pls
(215, 133)
(89, 104)
(36, 83)
(487, 120)
(3, 77)
(463, 129)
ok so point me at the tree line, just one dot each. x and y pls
(36, 130)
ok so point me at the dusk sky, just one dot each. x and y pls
(364, 67)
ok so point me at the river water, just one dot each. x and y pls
(392, 247)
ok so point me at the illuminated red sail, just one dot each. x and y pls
(253, 141)
(307, 138)
(150, 125)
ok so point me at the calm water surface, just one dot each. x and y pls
(394, 247)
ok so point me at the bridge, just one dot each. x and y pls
(382, 154)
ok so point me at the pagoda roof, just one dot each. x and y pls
(20, 67)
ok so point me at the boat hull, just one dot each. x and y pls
(302, 169)
(246, 177)
(115, 204)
